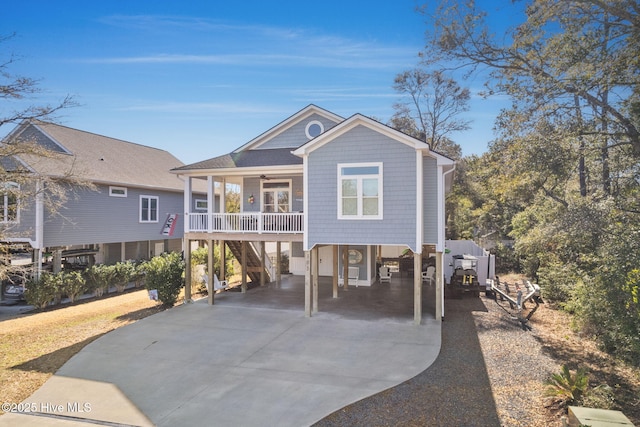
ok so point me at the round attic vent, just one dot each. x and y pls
(313, 129)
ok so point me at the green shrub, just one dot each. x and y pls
(98, 278)
(200, 256)
(138, 275)
(72, 284)
(42, 292)
(165, 274)
(122, 275)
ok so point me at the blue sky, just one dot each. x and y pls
(200, 79)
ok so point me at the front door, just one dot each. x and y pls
(276, 197)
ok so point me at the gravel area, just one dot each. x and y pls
(490, 372)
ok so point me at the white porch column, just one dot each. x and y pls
(439, 286)
(211, 201)
(417, 288)
(187, 202)
(223, 195)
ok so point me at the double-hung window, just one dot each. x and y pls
(9, 203)
(148, 209)
(360, 191)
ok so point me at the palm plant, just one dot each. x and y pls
(567, 386)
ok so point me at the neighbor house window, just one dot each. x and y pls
(201, 204)
(360, 191)
(148, 209)
(10, 202)
(117, 191)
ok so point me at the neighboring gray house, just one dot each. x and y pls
(329, 186)
(133, 211)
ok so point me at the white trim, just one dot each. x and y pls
(148, 221)
(360, 120)
(113, 188)
(4, 205)
(379, 176)
(305, 201)
(188, 196)
(441, 183)
(39, 231)
(419, 201)
(311, 123)
(199, 204)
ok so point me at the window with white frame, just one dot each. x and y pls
(148, 209)
(201, 204)
(10, 202)
(117, 191)
(360, 191)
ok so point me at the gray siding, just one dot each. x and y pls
(295, 136)
(361, 144)
(430, 200)
(95, 217)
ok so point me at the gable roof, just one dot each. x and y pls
(309, 110)
(360, 120)
(96, 158)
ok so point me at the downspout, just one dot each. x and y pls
(39, 231)
(441, 237)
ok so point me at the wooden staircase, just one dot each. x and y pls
(253, 266)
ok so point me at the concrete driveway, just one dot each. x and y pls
(239, 362)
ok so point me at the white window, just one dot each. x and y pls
(9, 202)
(276, 196)
(148, 209)
(117, 191)
(201, 204)
(360, 191)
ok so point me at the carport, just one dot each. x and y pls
(392, 300)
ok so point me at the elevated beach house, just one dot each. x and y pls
(132, 208)
(334, 189)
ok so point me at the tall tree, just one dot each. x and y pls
(433, 108)
(19, 186)
(568, 150)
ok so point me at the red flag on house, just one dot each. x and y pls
(170, 225)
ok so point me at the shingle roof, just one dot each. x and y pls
(99, 158)
(246, 159)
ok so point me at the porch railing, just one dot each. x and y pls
(255, 222)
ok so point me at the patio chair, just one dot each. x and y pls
(354, 275)
(217, 284)
(429, 275)
(385, 274)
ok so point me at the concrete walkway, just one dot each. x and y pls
(238, 363)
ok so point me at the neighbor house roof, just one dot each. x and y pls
(96, 158)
